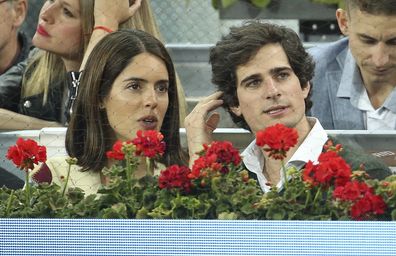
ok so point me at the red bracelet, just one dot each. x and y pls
(103, 28)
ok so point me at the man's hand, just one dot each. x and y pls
(200, 124)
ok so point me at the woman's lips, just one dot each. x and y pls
(40, 30)
(148, 122)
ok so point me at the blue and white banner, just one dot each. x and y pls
(194, 237)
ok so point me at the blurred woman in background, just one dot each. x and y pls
(66, 33)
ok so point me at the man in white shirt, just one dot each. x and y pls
(262, 72)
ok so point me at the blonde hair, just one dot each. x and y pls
(46, 68)
(144, 20)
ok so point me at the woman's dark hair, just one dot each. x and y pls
(241, 45)
(89, 134)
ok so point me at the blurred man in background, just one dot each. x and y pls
(355, 77)
(14, 45)
(14, 48)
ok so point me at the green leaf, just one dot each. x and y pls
(117, 211)
(393, 214)
(228, 216)
(260, 3)
(276, 214)
(340, 3)
(218, 4)
(160, 212)
(75, 195)
(215, 4)
(248, 209)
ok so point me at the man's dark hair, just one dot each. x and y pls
(241, 45)
(375, 7)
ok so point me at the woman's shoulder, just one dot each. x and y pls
(59, 168)
(59, 162)
(53, 170)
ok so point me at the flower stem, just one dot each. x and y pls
(150, 168)
(317, 195)
(308, 198)
(10, 199)
(129, 171)
(67, 180)
(286, 180)
(27, 186)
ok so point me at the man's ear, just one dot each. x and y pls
(342, 20)
(306, 90)
(20, 10)
(236, 110)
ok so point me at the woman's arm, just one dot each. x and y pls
(14, 121)
(108, 14)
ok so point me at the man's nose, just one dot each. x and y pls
(380, 55)
(271, 89)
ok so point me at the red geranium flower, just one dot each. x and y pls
(215, 157)
(26, 153)
(149, 143)
(279, 139)
(331, 168)
(224, 151)
(204, 164)
(351, 191)
(364, 201)
(368, 205)
(175, 177)
(116, 153)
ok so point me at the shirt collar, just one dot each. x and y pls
(350, 76)
(312, 146)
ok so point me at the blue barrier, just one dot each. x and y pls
(194, 237)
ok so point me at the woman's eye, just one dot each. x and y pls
(134, 86)
(162, 88)
(68, 13)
